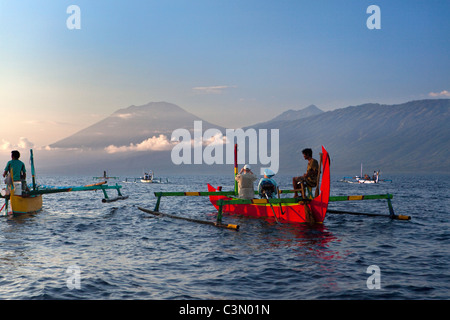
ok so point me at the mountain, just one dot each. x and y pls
(129, 141)
(409, 137)
(309, 111)
(133, 125)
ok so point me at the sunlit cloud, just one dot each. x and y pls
(47, 123)
(124, 115)
(211, 89)
(23, 143)
(443, 93)
(160, 143)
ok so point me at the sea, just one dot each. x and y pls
(79, 248)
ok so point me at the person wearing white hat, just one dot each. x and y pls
(267, 187)
(245, 179)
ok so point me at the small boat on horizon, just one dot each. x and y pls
(365, 179)
(147, 177)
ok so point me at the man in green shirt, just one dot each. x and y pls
(17, 166)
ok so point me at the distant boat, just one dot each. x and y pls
(148, 177)
(365, 179)
(105, 177)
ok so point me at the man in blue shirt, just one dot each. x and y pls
(268, 186)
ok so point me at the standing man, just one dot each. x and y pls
(310, 177)
(245, 179)
(17, 166)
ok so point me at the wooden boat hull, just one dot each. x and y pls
(285, 212)
(23, 205)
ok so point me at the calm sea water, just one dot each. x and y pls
(81, 248)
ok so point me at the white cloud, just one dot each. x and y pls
(47, 123)
(124, 115)
(211, 89)
(151, 144)
(215, 140)
(443, 93)
(5, 145)
(23, 143)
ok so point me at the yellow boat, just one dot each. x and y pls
(18, 202)
(24, 204)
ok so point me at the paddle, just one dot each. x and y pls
(281, 207)
(272, 208)
(6, 211)
(308, 215)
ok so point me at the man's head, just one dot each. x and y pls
(15, 155)
(307, 153)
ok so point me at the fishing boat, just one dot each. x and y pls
(298, 210)
(147, 177)
(308, 208)
(29, 200)
(21, 204)
(365, 179)
(359, 180)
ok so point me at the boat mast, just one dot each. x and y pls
(235, 169)
(32, 169)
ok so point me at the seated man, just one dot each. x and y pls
(309, 179)
(245, 179)
(267, 187)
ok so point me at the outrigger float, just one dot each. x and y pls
(308, 208)
(30, 201)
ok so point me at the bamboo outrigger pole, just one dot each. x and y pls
(215, 224)
(218, 222)
(388, 197)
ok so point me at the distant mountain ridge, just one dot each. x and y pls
(409, 137)
(132, 125)
(309, 111)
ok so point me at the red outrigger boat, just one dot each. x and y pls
(296, 210)
(310, 210)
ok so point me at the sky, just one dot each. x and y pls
(230, 62)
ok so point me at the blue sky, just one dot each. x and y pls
(230, 62)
